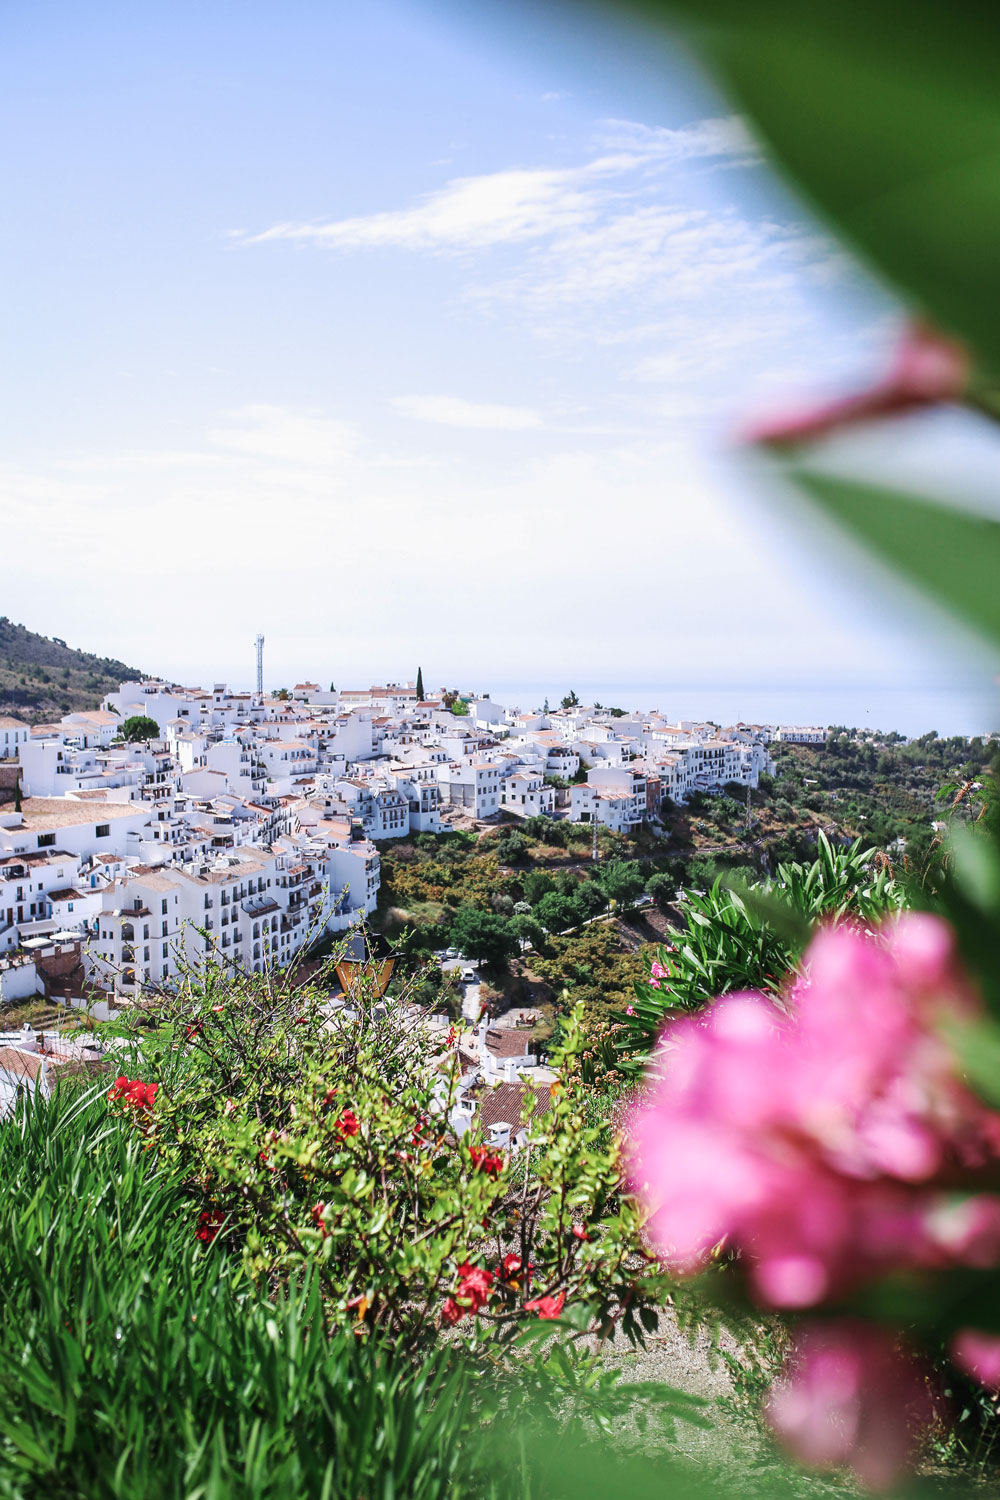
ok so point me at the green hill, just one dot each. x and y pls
(41, 678)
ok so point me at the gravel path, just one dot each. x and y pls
(674, 1358)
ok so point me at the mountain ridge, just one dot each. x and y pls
(42, 678)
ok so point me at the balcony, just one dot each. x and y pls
(259, 906)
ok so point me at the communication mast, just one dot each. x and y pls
(259, 643)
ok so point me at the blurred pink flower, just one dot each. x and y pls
(978, 1354)
(851, 1397)
(819, 1144)
(927, 369)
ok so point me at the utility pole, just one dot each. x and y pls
(259, 643)
(748, 810)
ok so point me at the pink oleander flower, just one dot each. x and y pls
(820, 1144)
(658, 971)
(630, 1010)
(851, 1396)
(978, 1354)
(927, 369)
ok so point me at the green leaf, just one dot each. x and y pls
(888, 116)
(953, 555)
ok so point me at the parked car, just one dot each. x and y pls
(451, 953)
(468, 976)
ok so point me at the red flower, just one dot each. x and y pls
(317, 1211)
(547, 1307)
(451, 1312)
(452, 1036)
(348, 1123)
(209, 1224)
(579, 1232)
(474, 1285)
(486, 1161)
(133, 1092)
(512, 1268)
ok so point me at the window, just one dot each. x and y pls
(163, 906)
(46, 840)
(102, 830)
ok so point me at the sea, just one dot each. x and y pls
(911, 711)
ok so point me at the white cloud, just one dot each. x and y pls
(726, 137)
(518, 203)
(286, 436)
(453, 411)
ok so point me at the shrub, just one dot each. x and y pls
(323, 1147)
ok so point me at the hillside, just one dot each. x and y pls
(41, 679)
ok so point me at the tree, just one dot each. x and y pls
(556, 912)
(332, 688)
(420, 684)
(139, 727)
(511, 848)
(483, 935)
(570, 700)
(620, 879)
(537, 884)
(661, 887)
(528, 930)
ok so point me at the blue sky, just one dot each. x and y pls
(402, 338)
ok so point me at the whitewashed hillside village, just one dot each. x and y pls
(247, 825)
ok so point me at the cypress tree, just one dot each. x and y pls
(420, 684)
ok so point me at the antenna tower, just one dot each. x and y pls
(259, 643)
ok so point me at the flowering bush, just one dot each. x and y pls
(327, 1143)
(133, 1093)
(833, 1151)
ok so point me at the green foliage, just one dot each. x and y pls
(511, 848)
(483, 935)
(325, 1145)
(748, 937)
(536, 884)
(30, 664)
(139, 727)
(420, 684)
(662, 888)
(135, 1362)
(556, 912)
(570, 700)
(620, 880)
(889, 119)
